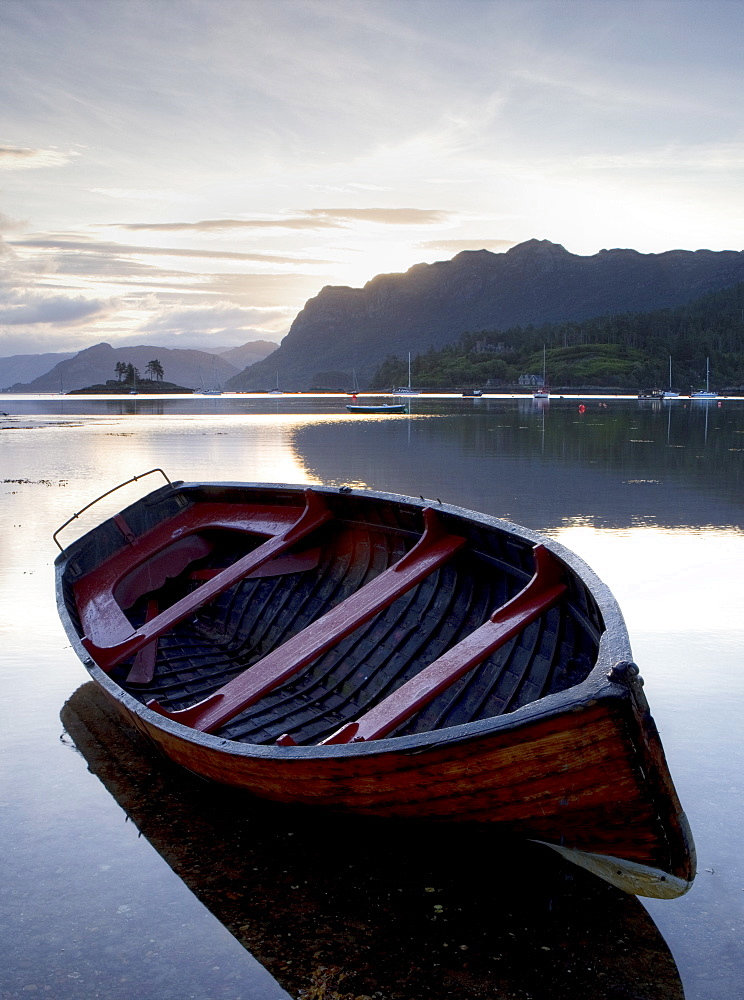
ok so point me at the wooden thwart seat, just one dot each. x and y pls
(142, 670)
(432, 550)
(110, 638)
(541, 593)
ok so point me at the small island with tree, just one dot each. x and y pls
(129, 380)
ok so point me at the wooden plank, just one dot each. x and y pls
(433, 549)
(109, 654)
(143, 668)
(541, 593)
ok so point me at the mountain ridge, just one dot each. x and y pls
(431, 305)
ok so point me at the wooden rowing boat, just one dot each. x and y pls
(381, 655)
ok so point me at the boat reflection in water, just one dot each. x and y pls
(339, 906)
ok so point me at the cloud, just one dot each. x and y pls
(268, 290)
(674, 157)
(123, 250)
(8, 225)
(593, 86)
(220, 322)
(67, 264)
(211, 225)
(142, 194)
(384, 216)
(22, 158)
(139, 278)
(312, 218)
(349, 186)
(455, 246)
(54, 310)
(214, 318)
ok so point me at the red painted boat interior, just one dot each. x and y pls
(101, 595)
(273, 622)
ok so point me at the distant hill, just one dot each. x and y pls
(20, 368)
(248, 354)
(193, 369)
(431, 305)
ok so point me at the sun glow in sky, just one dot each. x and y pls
(189, 172)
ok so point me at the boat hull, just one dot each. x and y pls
(574, 781)
(382, 408)
(579, 767)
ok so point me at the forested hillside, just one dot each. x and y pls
(626, 350)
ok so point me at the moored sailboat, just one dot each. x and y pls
(705, 393)
(215, 389)
(542, 392)
(406, 390)
(670, 393)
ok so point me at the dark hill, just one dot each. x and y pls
(94, 365)
(433, 304)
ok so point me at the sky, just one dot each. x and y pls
(188, 173)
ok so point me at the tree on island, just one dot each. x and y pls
(131, 374)
(120, 370)
(155, 370)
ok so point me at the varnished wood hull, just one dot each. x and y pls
(579, 766)
(374, 906)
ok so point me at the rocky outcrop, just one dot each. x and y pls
(433, 304)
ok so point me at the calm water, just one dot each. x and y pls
(96, 865)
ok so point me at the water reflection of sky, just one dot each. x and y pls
(650, 498)
(686, 580)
